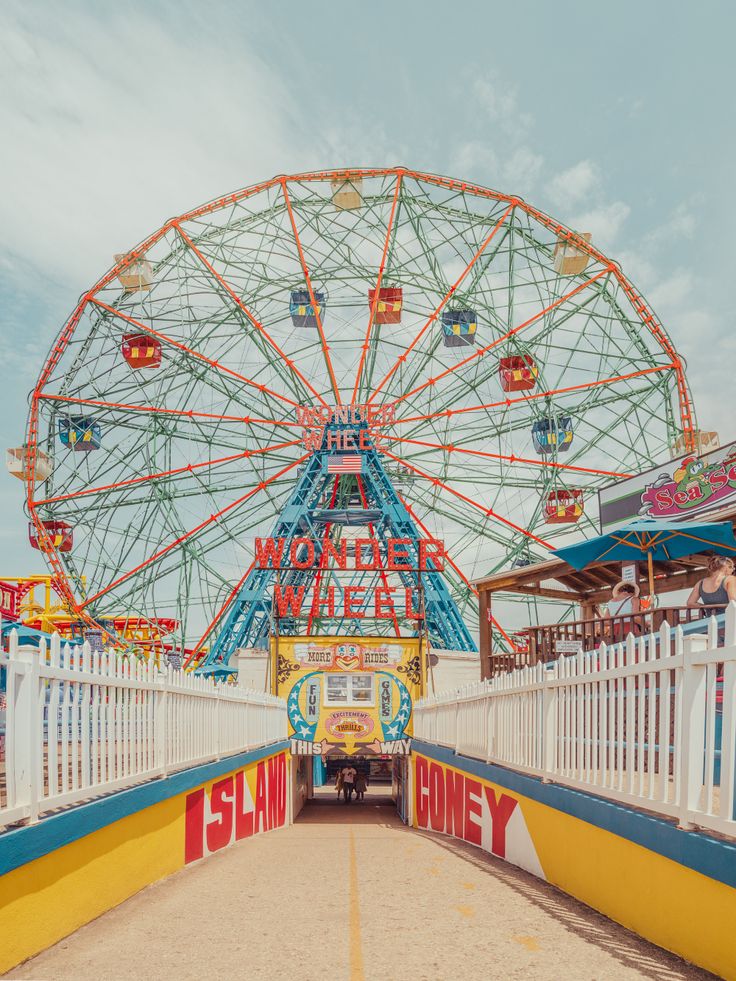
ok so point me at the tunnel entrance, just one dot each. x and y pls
(350, 789)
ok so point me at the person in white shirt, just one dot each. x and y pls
(349, 774)
(624, 603)
(624, 599)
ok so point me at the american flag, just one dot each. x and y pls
(345, 464)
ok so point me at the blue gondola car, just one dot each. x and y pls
(303, 314)
(81, 433)
(548, 434)
(459, 327)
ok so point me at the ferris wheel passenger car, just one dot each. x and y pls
(136, 276)
(141, 351)
(60, 533)
(459, 327)
(569, 260)
(564, 507)
(80, 433)
(517, 373)
(551, 434)
(303, 312)
(388, 306)
(347, 195)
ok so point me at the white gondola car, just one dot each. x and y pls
(569, 260)
(137, 276)
(18, 464)
(347, 195)
(704, 442)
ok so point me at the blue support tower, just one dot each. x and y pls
(247, 622)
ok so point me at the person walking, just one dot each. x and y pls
(361, 784)
(338, 783)
(349, 774)
(713, 593)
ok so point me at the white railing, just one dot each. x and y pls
(651, 722)
(76, 724)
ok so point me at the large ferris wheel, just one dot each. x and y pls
(506, 366)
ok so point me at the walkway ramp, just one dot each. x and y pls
(349, 893)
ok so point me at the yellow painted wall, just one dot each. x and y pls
(47, 899)
(664, 901)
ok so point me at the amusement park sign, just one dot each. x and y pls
(361, 416)
(680, 489)
(360, 554)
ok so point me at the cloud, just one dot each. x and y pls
(110, 127)
(507, 159)
(575, 184)
(604, 223)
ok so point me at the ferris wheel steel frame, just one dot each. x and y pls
(412, 385)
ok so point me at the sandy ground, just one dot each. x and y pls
(349, 894)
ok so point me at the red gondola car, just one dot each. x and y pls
(388, 307)
(563, 507)
(517, 373)
(60, 533)
(141, 350)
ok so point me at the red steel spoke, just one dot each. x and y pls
(193, 531)
(489, 347)
(188, 413)
(426, 531)
(526, 398)
(170, 473)
(317, 313)
(195, 354)
(488, 512)
(253, 319)
(462, 575)
(213, 622)
(446, 297)
(451, 448)
(381, 268)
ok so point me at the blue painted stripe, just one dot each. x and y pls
(696, 850)
(29, 843)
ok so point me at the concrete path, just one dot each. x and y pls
(349, 894)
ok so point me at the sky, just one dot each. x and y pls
(615, 119)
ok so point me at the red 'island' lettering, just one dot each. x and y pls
(219, 830)
(261, 818)
(226, 813)
(243, 818)
(194, 826)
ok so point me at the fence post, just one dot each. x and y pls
(549, 724)
(728, 728)
(692, 729)
(26, 761)
(160, 721)
(218, 720)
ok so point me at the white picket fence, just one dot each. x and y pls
(651, 722)
(77, 724)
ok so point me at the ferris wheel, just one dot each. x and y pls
(510, 367)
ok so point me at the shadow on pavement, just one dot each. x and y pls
(584, 921)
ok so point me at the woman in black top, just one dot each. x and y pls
(714, 593)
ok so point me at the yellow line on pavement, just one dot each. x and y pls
(356, 946)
